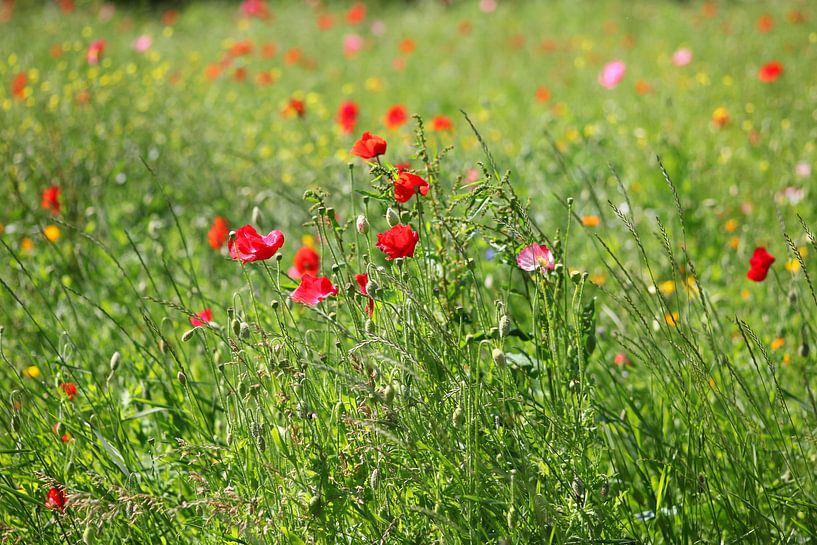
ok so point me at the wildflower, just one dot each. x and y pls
(536, 256)
(31, 371)
(591, 220)
(268, 50)
(56, 499)
(682, 57)
(306, 260)
(142, 43)
(18, 85)
(720, 117)
(347, 116)
(407, 184)
(396, 116)
(356, 14)
(250, 246)
(769, 72)
(352, 44)
(369, 146)
(202, 318)
(612, 74)
(408, 46)
(313, 290)
(294, 108)
(70, 389)
(51, 199)
(759, 264)
(362, 285)
(66, 437)
(622, 360)
(325, 22)
(442, 123)
(51, 232)
(802, 169)
(765, 23)
(542, 94)
(397, 242)
(778, 343)
(671, 318)
(255, 8)
(95, 51)
(218, 234)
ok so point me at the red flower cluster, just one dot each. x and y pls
(759, 265)
(363, 281)
(70, 389)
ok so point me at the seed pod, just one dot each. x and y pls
(388, 393)
(115, 361)
(188, 335)
(374, 479)
(392, 217)
(236, 326)
(181, 377)
(244, 330)
(504, 326)
(362, 224)
(499, 357)
(804, 350)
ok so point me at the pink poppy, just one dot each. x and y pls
(535, 256)
(612, 74)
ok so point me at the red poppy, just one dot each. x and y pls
(70, 389)
(250, 246)
(95, 51)
(66, 437)
(202, 318)
(442, 123)
(407, 184)
(306, 260)
(402, 167)
(313, 290)
(369, 146)
(295, 107)
(356, 13)
(51, 199)
(396, 116)
(240, 73)
(218, 233)
(362, 282)
(325, 22)
(18, 85)
(347, 116)
(56, 499)
(407, 46)
(759, 265)
(770, 72)
(269, 50)
(765, 23)
(243, 47)
(399, 241)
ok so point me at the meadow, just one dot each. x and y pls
(421, 273)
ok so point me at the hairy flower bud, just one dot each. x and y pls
(392, 217)
(362, 224)
(499, 357)
(115, 361)
(504, 326)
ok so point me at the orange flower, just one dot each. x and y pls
(18, 85)
(642, 87)
(407, 46)
(720, 117)
(542, 94)
(218, 233)
(591, 221)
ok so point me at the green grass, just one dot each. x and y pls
(644, 391)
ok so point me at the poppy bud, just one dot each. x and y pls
(256, 215)
(792, 297)
(236, 325)
(188, 335)
(499, 357)
(362, 224)
(115, 361)
(244, 330)
(804, 350)
(392, 217)
(457, 418)
(274, 303)
(504, 326)
(388, 393)
(369, 326)
(315, 505)
(181, 377)
(374, 479)
(372, 287)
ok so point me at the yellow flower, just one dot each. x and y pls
(591, 221)
(792, 265)
(31, 372)
(731, 225)
(667, 287)
(734, 242)
(52, 233)
(308, 241)
(26, 244)
(598, 279)
(671, 319)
